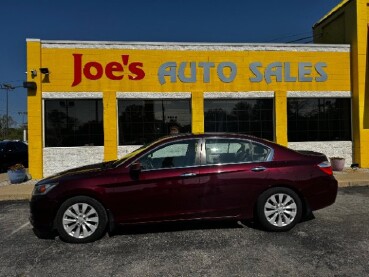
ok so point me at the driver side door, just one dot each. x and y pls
(167, 188)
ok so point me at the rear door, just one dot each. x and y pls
(233, 173)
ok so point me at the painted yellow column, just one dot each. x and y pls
(359, 79)
(280, 117)
(34, 107)
(197, 102)
(110, 126)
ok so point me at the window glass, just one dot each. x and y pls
(142, 121)
(246, 116)
(178, 154)
(73, 122)
(223, 151)
(259, 152)
(21, 146)
(319, 119)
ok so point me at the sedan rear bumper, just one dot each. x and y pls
(324, 194)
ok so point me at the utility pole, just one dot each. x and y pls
(7, 87)
(23, 125)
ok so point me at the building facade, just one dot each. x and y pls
(97, 101)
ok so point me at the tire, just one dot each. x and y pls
(279, 209)
(81, 219)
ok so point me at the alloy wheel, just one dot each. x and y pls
(80, 220)
(280, 209)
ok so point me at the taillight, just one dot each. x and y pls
(326, 167)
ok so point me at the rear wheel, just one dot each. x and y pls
(81, 219)
(279, 209)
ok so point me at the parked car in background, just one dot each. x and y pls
(185, 177)
(13, 152)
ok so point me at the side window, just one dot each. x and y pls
(224, 151)
(21, 146)
(174, 155)
(259, 152)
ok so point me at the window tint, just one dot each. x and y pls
(321, 119)
(224, 151)
(142, 121)
(259, 152)
(246, 116)
(178, 154)
(73, 122)
(22, 146)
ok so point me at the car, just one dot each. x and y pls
(13, 152)
(185, 177)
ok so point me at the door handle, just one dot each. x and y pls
(258, 169)
(189, 174)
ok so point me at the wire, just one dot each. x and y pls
(300, 39)
(288, 36)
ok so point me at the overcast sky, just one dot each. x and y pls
(145, 20)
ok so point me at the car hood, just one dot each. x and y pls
(75, 173)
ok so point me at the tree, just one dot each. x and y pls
(11, 132)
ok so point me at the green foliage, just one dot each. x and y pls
(13, 132)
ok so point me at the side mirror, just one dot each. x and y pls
(136, 166)
(135, 170)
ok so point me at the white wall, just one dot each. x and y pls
(58, 159)
(329, 148)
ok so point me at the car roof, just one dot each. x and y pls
(221, 135)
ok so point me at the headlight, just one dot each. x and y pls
(43, 189)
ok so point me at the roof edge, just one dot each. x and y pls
(332, 12)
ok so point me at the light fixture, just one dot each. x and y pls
(30, 85)
(33, 73)
(44, 70)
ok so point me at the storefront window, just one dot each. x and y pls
(246, 116)
(142, 121)
(73, 123)
(319, 119)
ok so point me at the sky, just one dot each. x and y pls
(228, 21)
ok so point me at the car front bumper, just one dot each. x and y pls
(42, 213)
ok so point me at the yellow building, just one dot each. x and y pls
(348, 23)
(97, 101)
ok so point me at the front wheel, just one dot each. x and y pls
(279, 209)
(81, 219)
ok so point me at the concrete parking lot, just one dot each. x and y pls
(335, 243)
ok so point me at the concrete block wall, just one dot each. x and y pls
(57, 159)
(329, 148)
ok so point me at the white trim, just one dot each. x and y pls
(318, 94)
(238, 95)
(33, 40)
(72, 95)
(153, 95)
(185, 46)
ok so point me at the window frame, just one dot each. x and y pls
(269, 157)
(249, 122)
(48, 98)
(164, 122)
(319, 133)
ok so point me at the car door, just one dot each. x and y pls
(166, 188)
(233, 173)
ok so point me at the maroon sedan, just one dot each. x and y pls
(185, 177)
